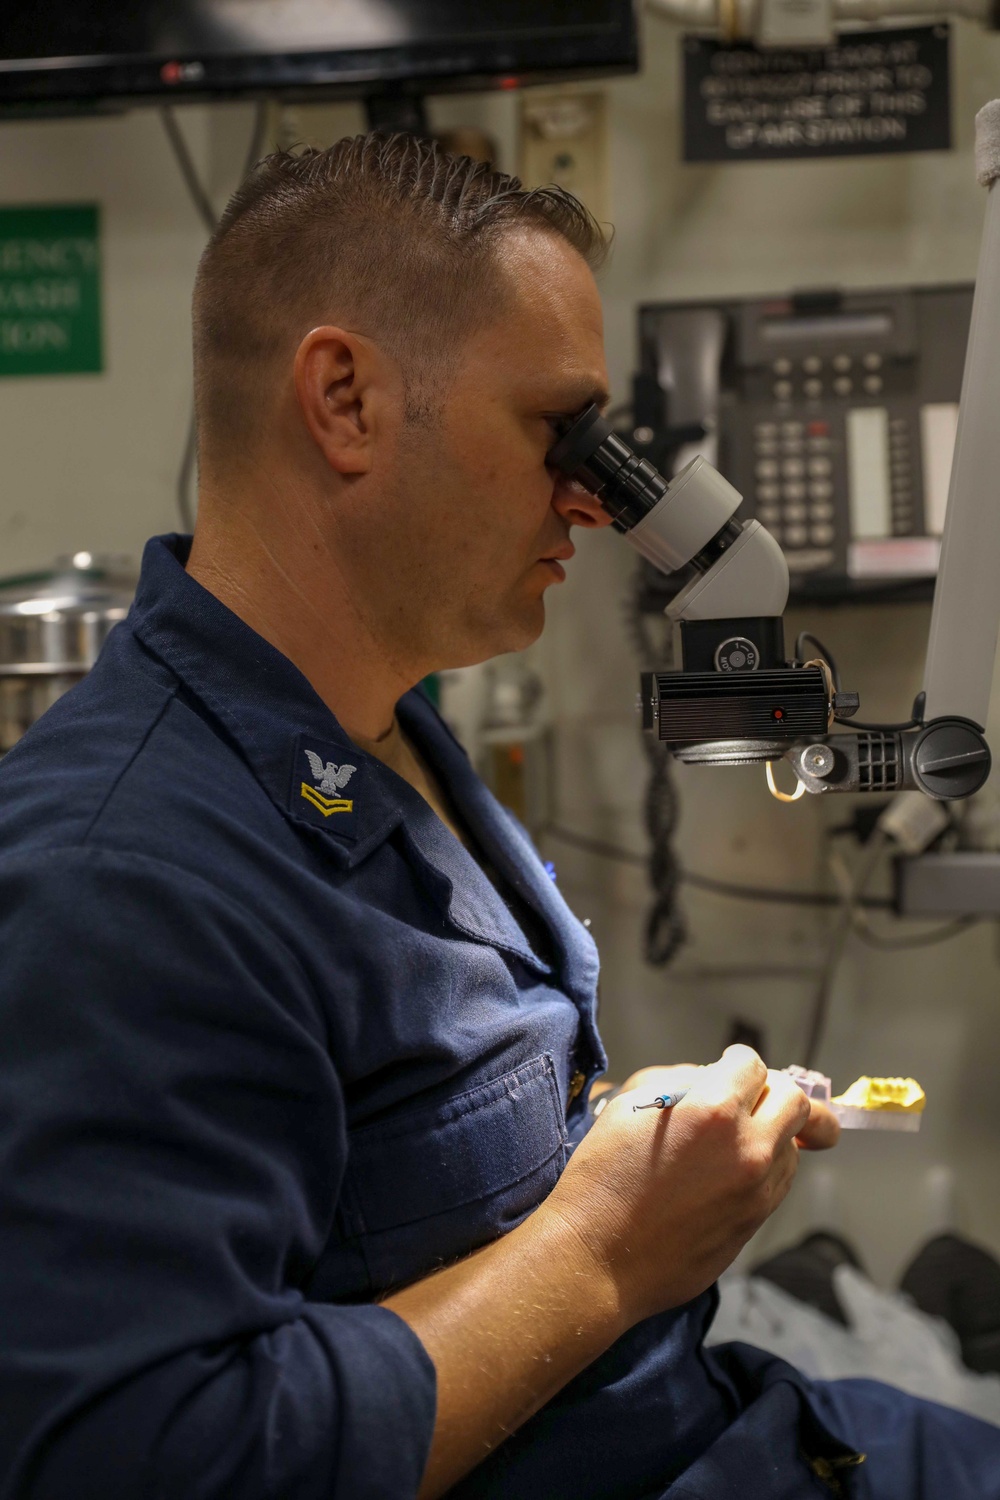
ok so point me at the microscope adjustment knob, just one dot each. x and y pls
(818, 760)
(738, 654)
(951, 759)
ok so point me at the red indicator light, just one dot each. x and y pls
(171, 72)
(510, 82)
(779, 713)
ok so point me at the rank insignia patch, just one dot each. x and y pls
(318, 788)
(327, 805)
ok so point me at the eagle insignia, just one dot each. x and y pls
(331, 781)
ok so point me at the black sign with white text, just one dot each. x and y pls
(869, 92)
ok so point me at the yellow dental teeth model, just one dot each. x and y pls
(880, 1104)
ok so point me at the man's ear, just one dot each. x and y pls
(332, 374)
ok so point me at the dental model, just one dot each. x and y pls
(880, 1104)
(814, 1085)
(869, 1103)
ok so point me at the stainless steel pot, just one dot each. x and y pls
(52, 626)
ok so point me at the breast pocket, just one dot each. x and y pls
(429, 1186)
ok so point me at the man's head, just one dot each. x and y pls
(388, 331)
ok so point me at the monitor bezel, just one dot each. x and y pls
(69, 85)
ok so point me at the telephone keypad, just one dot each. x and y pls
(794, 492)
(795, 474)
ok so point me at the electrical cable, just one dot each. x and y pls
(807, 635)
(915, 721)
(209, 218)
(883, 941)
(940, 934)
(179, 146)
(727, 888)
(877, 728)
(666, 929)
(842, 926)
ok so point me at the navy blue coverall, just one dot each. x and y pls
(272, 1043)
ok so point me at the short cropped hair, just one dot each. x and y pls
(387, 234)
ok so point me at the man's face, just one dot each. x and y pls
(476, 525)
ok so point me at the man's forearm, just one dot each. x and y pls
(506, 1329)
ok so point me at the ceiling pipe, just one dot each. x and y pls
(739, 20)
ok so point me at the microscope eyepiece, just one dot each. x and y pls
(593, 454)
(690, 518)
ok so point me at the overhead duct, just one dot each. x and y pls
(781, 23)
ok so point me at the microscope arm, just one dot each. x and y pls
(966, 616)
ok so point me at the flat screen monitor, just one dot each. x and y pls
(75, 53)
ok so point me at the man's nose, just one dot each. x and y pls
(576, 506)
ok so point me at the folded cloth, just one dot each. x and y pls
(806, 1271)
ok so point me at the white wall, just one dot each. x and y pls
(90, 461)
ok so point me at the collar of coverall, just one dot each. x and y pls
(293, 743)
(300, 755)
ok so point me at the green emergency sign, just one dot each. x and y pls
(50, 290)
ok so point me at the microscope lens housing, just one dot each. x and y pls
(688, 519)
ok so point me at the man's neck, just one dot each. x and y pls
(292, 591)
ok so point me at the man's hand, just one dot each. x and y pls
(650, 1209)
(665, 1200)
(820, 1132)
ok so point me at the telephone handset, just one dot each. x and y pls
(833, 413)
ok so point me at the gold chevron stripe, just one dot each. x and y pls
(326, 805)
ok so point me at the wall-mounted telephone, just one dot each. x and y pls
(833, 413)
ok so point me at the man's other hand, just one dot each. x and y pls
(820, 1132)
(664, 1200)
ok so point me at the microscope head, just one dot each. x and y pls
(690, 519)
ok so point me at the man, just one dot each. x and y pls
(298, 1195)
